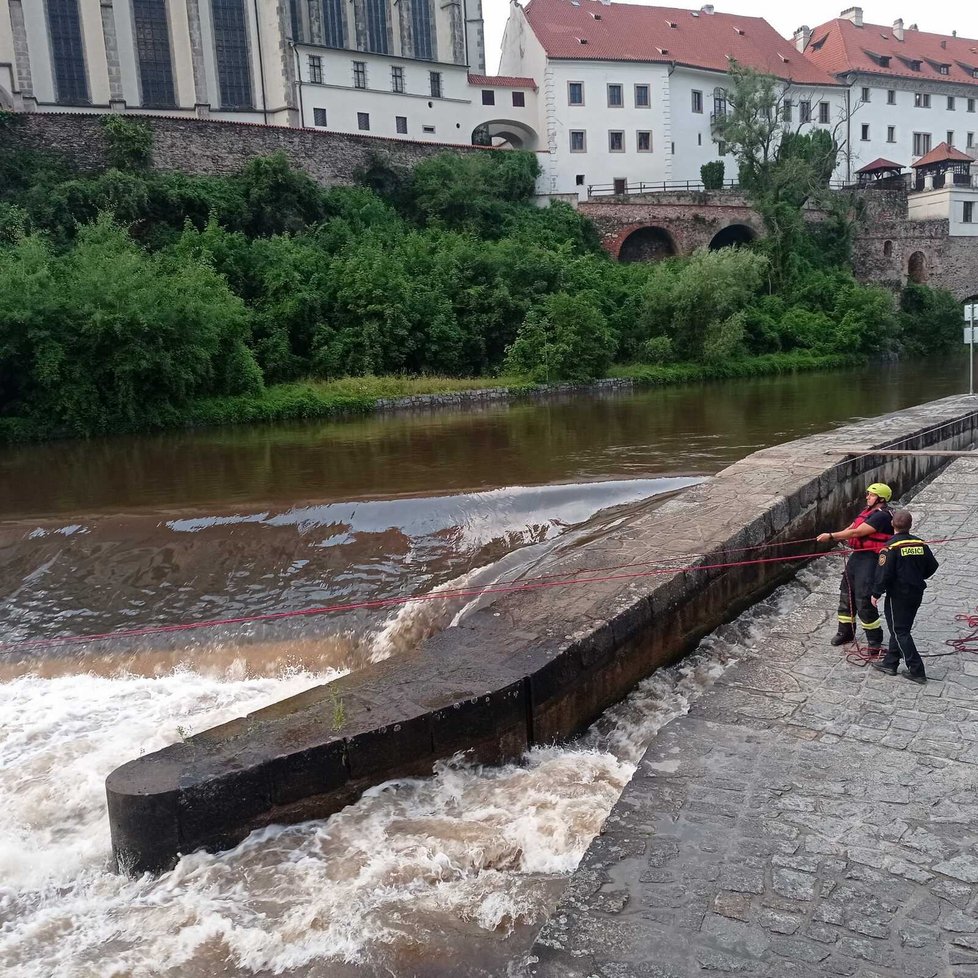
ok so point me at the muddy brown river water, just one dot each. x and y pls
(446, 875)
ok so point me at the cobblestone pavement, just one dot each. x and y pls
(809, 817)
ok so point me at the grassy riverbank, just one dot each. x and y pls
(307, 400)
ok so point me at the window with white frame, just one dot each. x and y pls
(823, 112)
(921, 143)
(616, 141)
(697, 101)
(971, 140)
(397, 79)
(921, 100)
(488, 96)
(434, 81)
(891, 96)
(519, 100)
(864, 135)
(642, 97)
(971, 105)
(804, 111)
(865, 94)
(615, 98)
(575, 93)
(315, 69)
(578, 141)
(400, 124)
(891, 134)
(359, 74)
(363, 121)
(319, 117)
(643, 140)
(969, 212)
(950, 137)
(950, 103)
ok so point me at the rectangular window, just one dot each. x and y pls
(579, 180)
(376, 26)
(865, 96)
(643, 140)
(615, 98)
(805, 111)
(67, 51)
(319, 117)
(950, 103)
(430, 130)
(397, 79)
(434, 77)
(865, 133)
(786, 110)
(823, 112)
(230, 25)
(315, 69)
(971, 105)
(333, 36)
(578, 141)
(519, 99)
(697, 102)
(950, 137)
(891, 97)
(575, 93)
(642, 97)
(969, 212)
(620, 186)
(616, 141)
(400, 124)
(921, 143)
(891, 134)
(971, 140)
(488, 97)
(152, 36)
(359, 74)
(363, 121)
(921, 100)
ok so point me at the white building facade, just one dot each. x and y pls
(628, 93)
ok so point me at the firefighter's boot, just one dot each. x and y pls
(844, 635)
(874, 640)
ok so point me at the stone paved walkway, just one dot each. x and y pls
(809, 817)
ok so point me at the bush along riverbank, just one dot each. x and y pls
(132, 300)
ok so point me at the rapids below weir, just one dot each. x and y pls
(448, 875)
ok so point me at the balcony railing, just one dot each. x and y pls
(627, 189)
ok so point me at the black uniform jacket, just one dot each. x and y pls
(904, 565)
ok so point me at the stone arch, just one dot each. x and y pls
(887, 249)
(732, 236)
(917, 268)
(505, 133)
(647, 244)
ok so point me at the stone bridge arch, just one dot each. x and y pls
(655, 226)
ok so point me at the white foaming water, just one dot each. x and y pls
(415, 868)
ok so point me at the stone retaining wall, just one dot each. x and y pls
(535, 666)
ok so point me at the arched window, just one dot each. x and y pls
(68, 52)
(153, 51)
(421, 29)
(333, 36)
(887, 249)
(233, 59)
(917, 268)
(377, 26)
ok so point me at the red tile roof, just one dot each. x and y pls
(943, 153)
(880, 164)
(502, 81)
(839, 46)
(666, 35)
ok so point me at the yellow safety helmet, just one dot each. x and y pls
(882, 490)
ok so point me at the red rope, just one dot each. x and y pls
(969, 642)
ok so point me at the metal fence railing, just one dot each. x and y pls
(625, 188)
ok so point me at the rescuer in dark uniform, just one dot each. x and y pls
(902, 568)
(867, 535)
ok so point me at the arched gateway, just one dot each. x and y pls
(647, 244)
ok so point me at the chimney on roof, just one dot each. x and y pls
(912, 27)
(855, 14)
(802, 36)
(707, 8)
(898, 28)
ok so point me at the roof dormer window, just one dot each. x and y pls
(672, 24)
(944, 69)
(884, 61)
(663, 50)
(582, 40)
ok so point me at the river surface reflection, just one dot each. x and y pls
(447, 875)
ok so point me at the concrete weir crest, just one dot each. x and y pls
(533, 668)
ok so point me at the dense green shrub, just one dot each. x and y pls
(712, 175)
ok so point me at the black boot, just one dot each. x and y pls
(874, 640)
(844, 635)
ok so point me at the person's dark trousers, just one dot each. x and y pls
(856, 596)
(900, 610)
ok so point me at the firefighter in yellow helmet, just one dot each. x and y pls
(866, 536)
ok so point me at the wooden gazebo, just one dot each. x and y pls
(880, 173)
(946, 165)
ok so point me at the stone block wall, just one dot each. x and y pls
(201, 146)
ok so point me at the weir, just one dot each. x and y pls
(535, 666)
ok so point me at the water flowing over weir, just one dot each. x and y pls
(444, 875)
